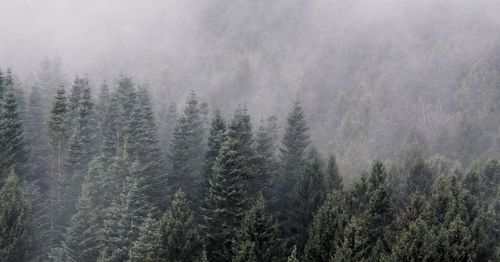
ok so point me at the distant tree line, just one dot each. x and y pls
(104, 178)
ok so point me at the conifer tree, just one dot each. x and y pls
(15, 230)
(81, 148)
(225, 201)
(36, 134)
(307, 196)
(123, 220)
(101, 109)
(82, 237)
(79, 84)
(333, 178)
(215, 139)
(295, 142)
(147, 247)
(12, 143)
(379, 214)
(264, 162)
(187, 152)
(241, 128)
(325, 232)
(257, 239)
(145, 150)
(59, 130)
(352, 245)
(414, 244)
(179, 235)
(292, 155)
(168, 118)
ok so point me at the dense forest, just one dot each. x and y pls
(103, 177)
(249, 130)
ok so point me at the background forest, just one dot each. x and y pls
(250, 130)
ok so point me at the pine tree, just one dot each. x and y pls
(414, 243)
(454, 243)
(257, 238)
(15, 230)
(225, 201)
(353, 243)
(333, 178)
(241, 128)
(179, 235)
(147, 247)
(145, 150)
(379, 214)
(187, 152)
(264, 162)
(59, 130)
(36, 134)
(123, 220)
(307, 196)
(12, 143)
(81, 148)
(168, 118)
(79, 84)
(101, 109)
(82, 237)
(216, 138)
(292, 155)
(326, 230)
(295, 142)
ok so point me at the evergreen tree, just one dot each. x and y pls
(179, 236)
(82, 237)
(146, 248)
(123, 220)
(225, 201)
(168, 118)
(15, 230)
(12, 143)
(241, 128)
(352, 246)
(79, 84)
(145, 150)
(257, 239)
(454, 243)
(216, 138)
(59, 130)
(295, 142)
(101, 109)
(325, 232)
(187, 151)
(36, 134)
(379, 215)
(333, 178)
(264, 162)
(414, 243)
(81, 148)
(292, 155)
(307, 196)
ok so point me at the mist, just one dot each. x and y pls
(249, 130)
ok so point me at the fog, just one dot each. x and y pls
(368, 73)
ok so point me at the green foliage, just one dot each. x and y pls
(12, 143)
(307, 196)
(333, 178)
(179, 240)
(258, 237)
(226, 200)
(146, 248)
(15, 230)
(326, 230)
(187, 152)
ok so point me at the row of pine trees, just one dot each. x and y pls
(104, 178)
